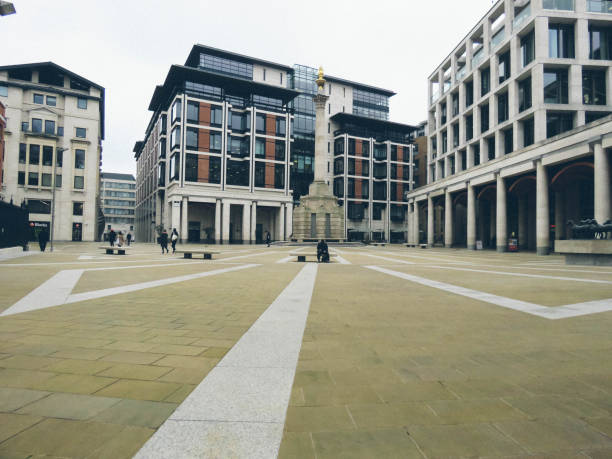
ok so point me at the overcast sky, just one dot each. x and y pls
(127, 46)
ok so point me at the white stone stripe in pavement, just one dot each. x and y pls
(56, 291)
(554, 312)
(394, 260)
(285, 260)
(341, 260)
(239, 409)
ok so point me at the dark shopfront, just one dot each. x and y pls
(36, 228)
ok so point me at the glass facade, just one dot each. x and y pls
(226, 66)
(370, 104)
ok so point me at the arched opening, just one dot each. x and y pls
(572, 195)
(522, 211)
(460, 219)
(486, 199)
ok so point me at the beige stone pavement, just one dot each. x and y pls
(388, 367)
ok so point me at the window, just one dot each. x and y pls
(524, 94)
(175, 137)
(191, 138)
(557, 123)
(279, 176)
(351, 147)
(485, 81)
(279, 150)
(594, 116)
(35, 154)
(46, 179)
(51, 101)
(455, 102)
(502, 107)
(281, 127)
(508, 141)
(3, 90)
(260, 174)
(59, 157)
(49, 127)
(491, 148)
(527, 48)
(339, 146)
(58, 181)
(191, 167)
(555, 86)
(504, 67)
(238, 146)
(484, 118)
(193, 112)
(60, 131)
(365, 149)
(38, 206)
(561, 41)
(216, 116)
(237, 173)
(81, 132)
(33, 178)
(25, 126)
(469, 94)
(444, 142)
(22, 153)
(215, 142)
(239, 122)
(39, 99)
(260, 147)
(79, 159)
(37, 125)
(82, 103)
(455, 135)
(20, 178)
(476, 151)
(600, 42)
(47, 155)
(175, 166)
(79, 182)
(176, 111)
(594, 87)
(443, 114)
(260, 123)
(469, 127)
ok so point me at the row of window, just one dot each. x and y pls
(113, 211)
(32, 155)
(40, 126)
(52, 101)
(38, 179)
(362, 148)
(118, 185)
(120, 203)
(41, 206)
(360, 189)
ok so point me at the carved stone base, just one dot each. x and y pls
(328, 215)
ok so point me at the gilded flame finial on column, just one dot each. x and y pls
(320, 81)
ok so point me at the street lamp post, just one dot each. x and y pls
(57, 152)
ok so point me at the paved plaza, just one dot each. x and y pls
(385, 352)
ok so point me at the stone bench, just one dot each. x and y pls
(207, 254)
(423, 246)
(411, 245)
(111, 250)
(594, 252)
(378, 244)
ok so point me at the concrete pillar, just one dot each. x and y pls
(560, 215)
(448, 220)
(184, 232)
(522, 222)
(542, 211)
(246, 223)
(501, 216)
(602, 185)
(218, 222)
(176, 215)
(430, 222)
(289, 223)
(417, 232)
(254, 222)
(281, 223)
(225, 227)
(471, 218)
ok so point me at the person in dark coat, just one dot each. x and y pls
(43, 238)
(163, 241)
(112, 237)
(322, 252)
(129, 238)
(268, 238)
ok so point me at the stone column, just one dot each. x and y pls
(254, 222)
(471, 218)
(522, 222)
(430, 222)
(184, 232)
(416, 233)
(501, 235)
(176, 215)
(320, 172)
(225, 227)
(289, 223)
(542, 215)
(448, 220)
(602, 185)
(218, 222)
(560, 215)
(246, 223)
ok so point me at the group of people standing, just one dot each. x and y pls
(163, 240)
(119, 238)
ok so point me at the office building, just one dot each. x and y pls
(117, 201)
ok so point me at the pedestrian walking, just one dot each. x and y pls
(129, 238)
(43, 238)
(268, 238)
(163, 241)
(112, 237)
(121, 239)
(174, 239)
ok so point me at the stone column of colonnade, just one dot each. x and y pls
(430, 221)
(218, 221)
(501, 235)
(471, 217)
(281, 223)
(448, 220)
(225, 227)
(246, 223)
(176, 215)
(289, 224)
(254, 223)
(603, 211)
(184, 233)
(416, 232)
(542, 211)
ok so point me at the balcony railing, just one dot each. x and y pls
(477, 57)
(565, 5)
(522, 17)
(498, 37)
(435, 96)
(461, 73)
(599, 6)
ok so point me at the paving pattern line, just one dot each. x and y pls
(537, 276)
(553, 313)
(394, 260)
(239, 409)
(57, 290)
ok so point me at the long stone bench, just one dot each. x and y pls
(207, 254)
(593, 252)
(111, 250)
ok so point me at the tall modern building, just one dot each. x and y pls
(117, 201)
(519, 128)
(230, 147)
(53, 141)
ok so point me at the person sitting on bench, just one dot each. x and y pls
(322, 252)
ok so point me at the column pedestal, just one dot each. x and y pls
(603, 212)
